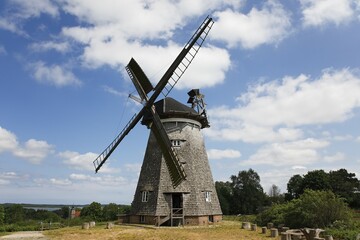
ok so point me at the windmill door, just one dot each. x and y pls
(177, 212)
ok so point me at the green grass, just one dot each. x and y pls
(230, 230)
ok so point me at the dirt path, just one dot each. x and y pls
(33, 235)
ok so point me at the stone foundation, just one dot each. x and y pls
(188, 220)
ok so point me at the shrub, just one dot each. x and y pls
(313, 209)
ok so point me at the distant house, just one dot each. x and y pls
(75, 213)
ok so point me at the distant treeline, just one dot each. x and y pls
(15, 217)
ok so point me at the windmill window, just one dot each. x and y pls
(145, 196)
(176, 143)
(208, 196)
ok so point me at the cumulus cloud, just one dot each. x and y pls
(268, 25)
(223, 153)
(17, 11)
(321, 12)
(32, 150)
(61, 47)
(84, 161)
(302, 152)
(126, 34)
(54, 75)
(339, 156)
(276, 110)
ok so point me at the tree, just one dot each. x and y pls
(14, 213)
(110, 212)
(316, 180)
(346, 185)
(225, 194)
(318, 209)
(294, 187)
(275, 195)
(2, 215)
(315, 209)
(92, 212)
(247, 192)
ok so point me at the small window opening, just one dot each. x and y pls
(144, 196)
(208, 196)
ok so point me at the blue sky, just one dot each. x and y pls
(281, 80)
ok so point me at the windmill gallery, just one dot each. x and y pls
(175, 185)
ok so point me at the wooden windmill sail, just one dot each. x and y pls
(164, 176)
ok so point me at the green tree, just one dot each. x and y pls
(92, 212)
(14, 213)
(317, 209)
(294, 187)
(2, 215)
(110, 212)
(316, 180)
(346, 185)
(247, 192)
(225, 194)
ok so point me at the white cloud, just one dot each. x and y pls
(275, 111)
(296, 167)
(54, 75)
(223, 153)
(8, 25)
(7, 177)
(33, 150)
(50, 45)
(60, 182)
(358, 139)
(126, 34)
(269, 25)
(335, 158)
(302, 152)
(321, 12)
(84, 162)
(104, 180)
(33, 8)
(115, 92)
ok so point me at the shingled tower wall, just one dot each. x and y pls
(194, 201)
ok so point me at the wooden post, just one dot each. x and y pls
(245, 225)
(253, 227)
(329, 237)
(92, 224)
(270, 225)
(263, 230)
(274, 232)
(109, 225)
(85, 225)
(285, 236)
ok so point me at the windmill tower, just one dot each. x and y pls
(175, 184)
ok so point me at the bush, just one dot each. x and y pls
(275, 214)
(316, 209)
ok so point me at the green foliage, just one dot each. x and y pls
(224, 191)
(14, 213)
(274, 214)
(110, 212)
(2, 215)
(248, 195)
(340, 182)
(63, 212)
(344, 230)
(313, 209)
(93, 212)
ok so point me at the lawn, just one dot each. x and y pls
(225, 230)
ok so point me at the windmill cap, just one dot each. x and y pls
(170, 108)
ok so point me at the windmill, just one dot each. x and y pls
(167, 180)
